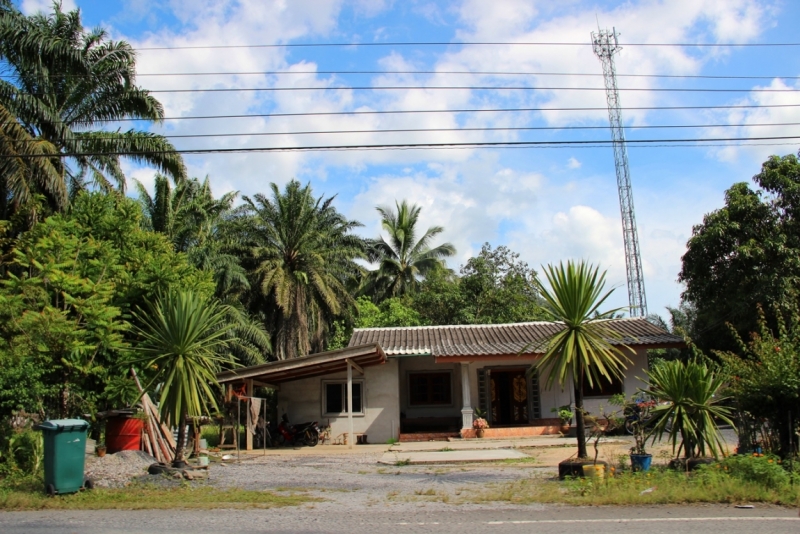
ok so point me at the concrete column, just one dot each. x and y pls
(351, 437)
(466, 411)
(249, 436)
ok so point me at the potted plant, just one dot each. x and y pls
(480, 425)
(100, 449)
(638, 419)
(565, 414)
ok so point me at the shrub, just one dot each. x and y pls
(764, 470)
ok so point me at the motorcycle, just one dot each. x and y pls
(300, 434)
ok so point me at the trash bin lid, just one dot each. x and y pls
(63, 424)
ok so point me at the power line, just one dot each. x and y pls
(399, 146)
(473, 110)
(486, 129)
(449, 72)
(464, 43)
(461, 88)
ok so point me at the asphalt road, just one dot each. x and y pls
(461, 519)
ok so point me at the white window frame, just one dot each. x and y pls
(324, 398)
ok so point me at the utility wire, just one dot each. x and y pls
(398, 146)
(424, 111)
(486, 129)
(452, 88)
(464, 43)
(454, 72)
(460, 88)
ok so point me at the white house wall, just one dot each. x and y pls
(301, 400)
(555, 397)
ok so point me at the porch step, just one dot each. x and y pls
(428, 436)
(514, 432)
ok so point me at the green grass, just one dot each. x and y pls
(27, 494)
(668, 487)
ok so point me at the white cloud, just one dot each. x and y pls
(30, 7)
(476, 195)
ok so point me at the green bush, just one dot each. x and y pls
(764, 470)
(23, 453)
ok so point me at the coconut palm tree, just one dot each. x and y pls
(402, 258)
(303, 253)
(184, 337)
(65, 98)
(582, 351)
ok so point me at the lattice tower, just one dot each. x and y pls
(605, 46)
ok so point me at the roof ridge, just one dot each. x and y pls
(440, 326)
(489, 325)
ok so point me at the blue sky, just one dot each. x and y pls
(548, 204)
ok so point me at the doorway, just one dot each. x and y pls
(509, 397)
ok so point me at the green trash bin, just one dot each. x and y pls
(64, 455)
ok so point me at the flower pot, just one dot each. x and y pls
(565, 428)
(594, 471)
(202, 461)
(641, 462)
(100, 450)
(479, 432)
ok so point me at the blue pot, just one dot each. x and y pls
(641, 462)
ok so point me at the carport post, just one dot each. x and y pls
(250, 422)
(351, 435)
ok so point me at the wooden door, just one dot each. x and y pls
(509, 397)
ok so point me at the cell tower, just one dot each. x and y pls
(605, 46)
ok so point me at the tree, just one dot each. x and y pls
(59, 327)
(199, 225)
(402, 258)
(67, 290)
(582, 350)
(303, 251)
(62, 97)
(499, 288)
(744, 254)
(690, 393)
(765, 377)
(183, 337)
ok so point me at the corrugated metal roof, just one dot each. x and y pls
(324, 363)
(498, 339)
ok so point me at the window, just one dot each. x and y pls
(334, 397)
(602, 387)
(425, 389)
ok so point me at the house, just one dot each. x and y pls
(420, 383)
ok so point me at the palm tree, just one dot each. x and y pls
(582, 351)
(303, 252)
(197, 224)
(184, 337)
(403, 259)
(693, 403)
(26, 170)
(63, 98)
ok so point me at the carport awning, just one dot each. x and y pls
(324, 363)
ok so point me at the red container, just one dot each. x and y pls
(123, 434)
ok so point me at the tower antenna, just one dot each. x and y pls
(605, 45)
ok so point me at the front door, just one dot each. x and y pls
(509, 397)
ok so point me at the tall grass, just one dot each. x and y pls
(27, 494)
(660, 486)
